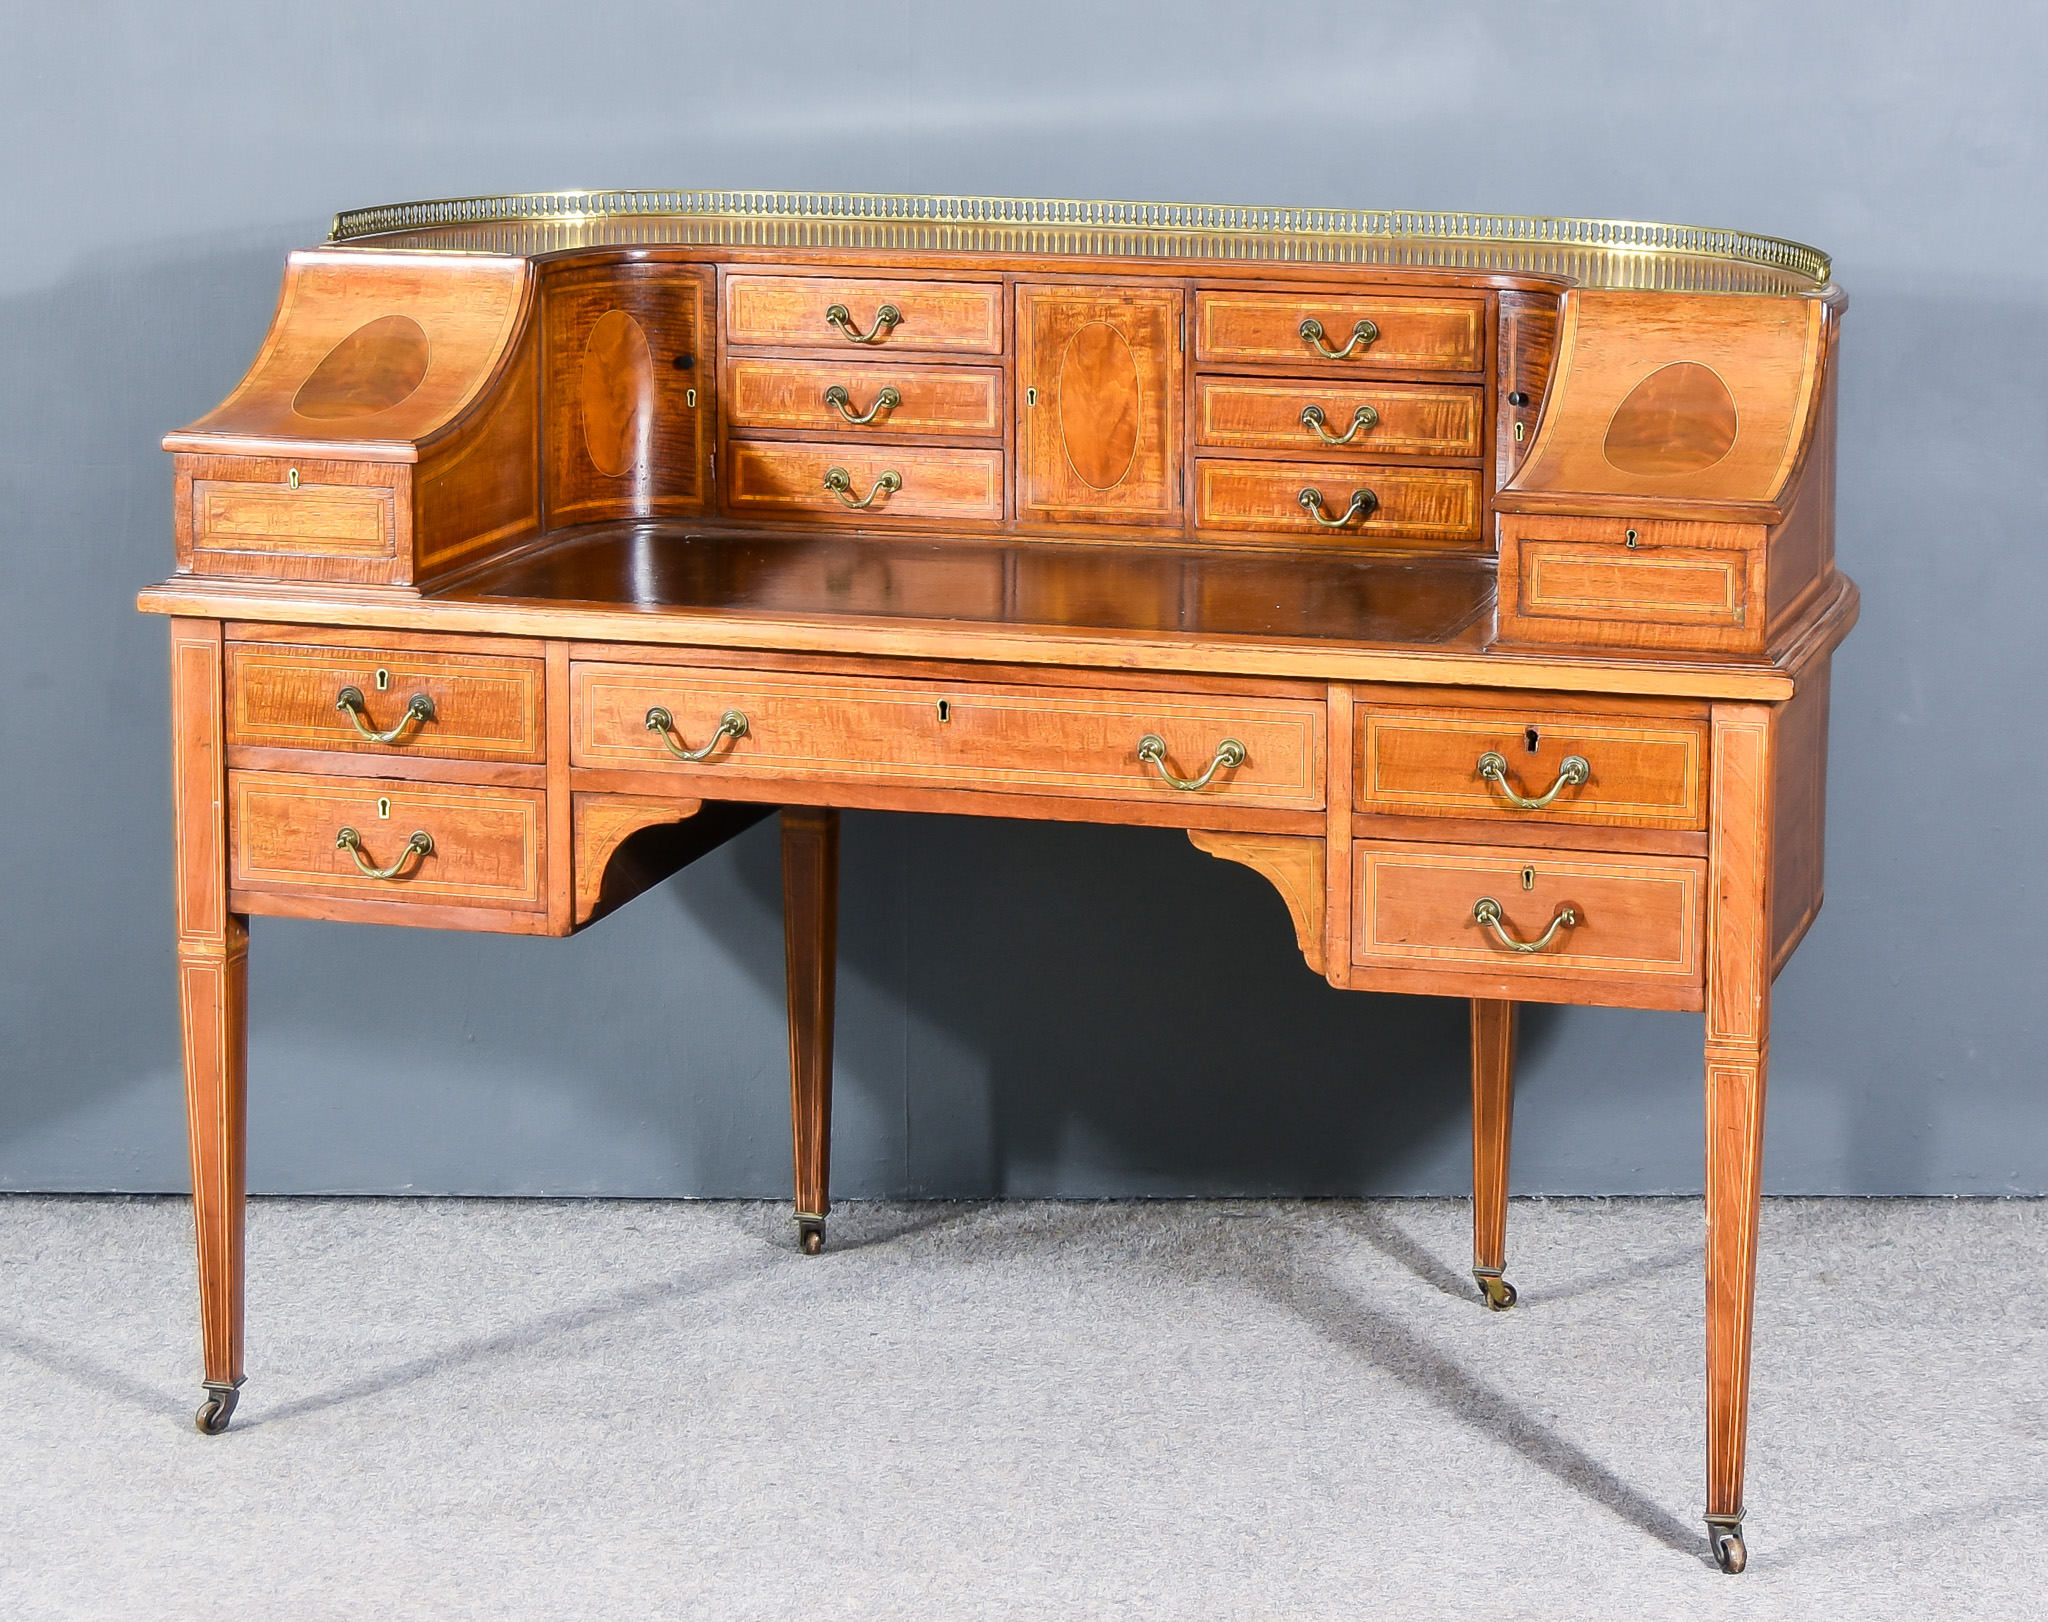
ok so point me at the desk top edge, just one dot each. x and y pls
(1633, 255)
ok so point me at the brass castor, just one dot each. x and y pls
(810, 1234)
(1499, 1293)
(218, 1408)
(1725, 1537)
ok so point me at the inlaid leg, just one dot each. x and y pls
(810, 933)
(1493, 1123)
(1737, 1061)
(213, 1003)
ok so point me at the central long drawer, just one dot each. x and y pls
(1069, 740)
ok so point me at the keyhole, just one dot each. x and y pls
(383, 681)
(945, 709)
(1528, 878)
(690, 398)
(1629, 540)
(1530, 738)
(384, 808)
(291, 478)
(1031, 397)
(1518, 433)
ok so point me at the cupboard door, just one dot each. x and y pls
(627, 388)
(1100, 370)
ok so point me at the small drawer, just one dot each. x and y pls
(1410, 502)
(962, 318)
(1375, 419)
(285, 837)
(1624, 930)
(289, 518)
(1071, 741)
(826, 396)
(1404, 334)
(1602, 769)
(477, 707)
(1609, 583)
(866, 482)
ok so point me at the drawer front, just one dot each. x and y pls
(961, 318)
(1650, 584)
(1668, 586)
(344, 520)
(928, 483)
(1409, 502)
(1235, 413)
(949, 735)
(1634, 921)
(951, 401)
(482, 707)
(1412, 334)
(1426, 762)
(283, 829)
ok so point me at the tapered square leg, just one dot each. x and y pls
(1737, 1064)
(213, 1004)
(1493, 1123)
(810, 933)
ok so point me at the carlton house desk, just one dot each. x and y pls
(1470, 577)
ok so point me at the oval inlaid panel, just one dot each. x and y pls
(618, 393)
(371, 370)
(1099, 405)
(1679, 419)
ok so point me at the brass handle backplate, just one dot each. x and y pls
(1363, 335)
(840, 483)
(1493, 766)
(886, 318)
(1487, 914)
(732, 724)
(1230, 754)
(1363, 421)
(421, 845)
(418, 711)
(1363, 504)
(841, 401)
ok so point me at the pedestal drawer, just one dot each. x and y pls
(1532, 765)
(834, 312)
(413, 842)
(864, 483)
(476, 706)
(1359, 502)
(1064, 740)
(1351, 330)
(1549, 926)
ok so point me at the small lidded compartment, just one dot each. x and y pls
(1611, 582)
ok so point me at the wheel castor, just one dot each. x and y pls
(1499, 1293)
(810, 1234)
(218, 1408)
(1725, 1537)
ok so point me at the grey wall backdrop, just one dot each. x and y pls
(1025, 1008)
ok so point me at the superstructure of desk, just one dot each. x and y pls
(1469, 577)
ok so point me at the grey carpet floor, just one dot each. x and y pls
(471, 1408)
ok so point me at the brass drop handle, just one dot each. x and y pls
(421, 845)
(1230, 754)
(886, 318)
(1493, 767)
(1363, 420)
(1363, 505)
(840, 483)
(837, 397)
(418, 711)
(732, 724)
(1487, 914)
(1363, 335)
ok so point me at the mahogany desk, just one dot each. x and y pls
(1470, 577)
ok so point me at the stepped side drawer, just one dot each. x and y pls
(1068, 741)
(369, 700)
